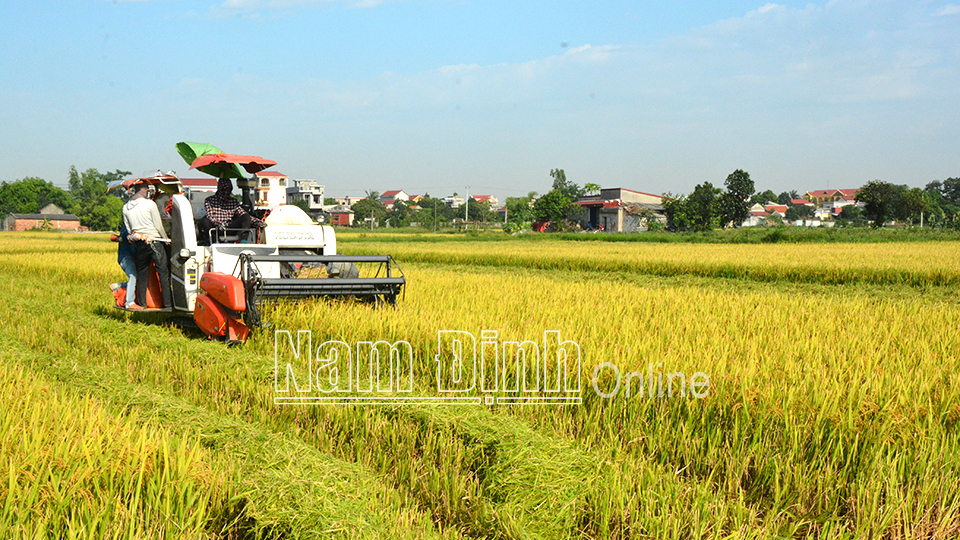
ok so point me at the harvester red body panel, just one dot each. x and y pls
(154, 297)
(210, 316)
(225, 289)
(216, 321)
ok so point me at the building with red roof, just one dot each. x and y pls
(388, 198)
(779, 209)
(823, 196)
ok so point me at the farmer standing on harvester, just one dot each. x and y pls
(142, 218)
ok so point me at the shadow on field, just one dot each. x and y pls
(183, 322)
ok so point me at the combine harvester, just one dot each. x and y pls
(225, 279)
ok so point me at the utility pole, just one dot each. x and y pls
(466, 213)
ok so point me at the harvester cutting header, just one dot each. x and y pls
(223, 267)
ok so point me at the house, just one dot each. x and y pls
(49, 220)
(778, 209)
(346, 201)
(489, 199)
(756, 217)
(453, 201)
(823, 196)
(621, 210)
(308, 191)
(830, 201)
(340, 215)
(801, 202)
(388, 198)
(271, 188)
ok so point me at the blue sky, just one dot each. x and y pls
(436, 95)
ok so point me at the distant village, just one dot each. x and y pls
(608, 209)
(605, 209)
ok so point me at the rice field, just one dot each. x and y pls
(832, 409)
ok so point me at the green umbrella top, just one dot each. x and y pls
(190, 151)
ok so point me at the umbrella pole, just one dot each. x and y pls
(245, 185)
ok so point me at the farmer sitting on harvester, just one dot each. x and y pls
(225, 212)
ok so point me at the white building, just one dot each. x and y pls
(271, 188)
(453, 201)
(306, 190)
(347, 201)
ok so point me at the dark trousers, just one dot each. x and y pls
(156, 252)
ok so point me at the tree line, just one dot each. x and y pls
(430, 212)
(706, 208)
(937, 204)
(87, 197)
(709, 207)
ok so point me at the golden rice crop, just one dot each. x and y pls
(75, 470)
(833, 409)
(916, 263)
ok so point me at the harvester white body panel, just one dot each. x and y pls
(290, 258)
(287, 227)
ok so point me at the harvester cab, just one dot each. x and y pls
(226, 278)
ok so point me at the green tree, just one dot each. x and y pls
(912, 203)
(29, 195)
(949, 189)
(570, 190)
(702, 208)
(787, 196)
(433, 212)
(796, 212)
(767, 196)
(851, 215)
(944, 200)
(519, 209)
(735, 202)
(591, 188)
(551, 207)
(479, 210)
(368, 208)
(675, 208)
(96, 209)
(881, 200)
(303, 205)
(399, 215)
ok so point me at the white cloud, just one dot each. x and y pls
(948, 9)
(767, 8)
(588, 53)
(836, 90)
